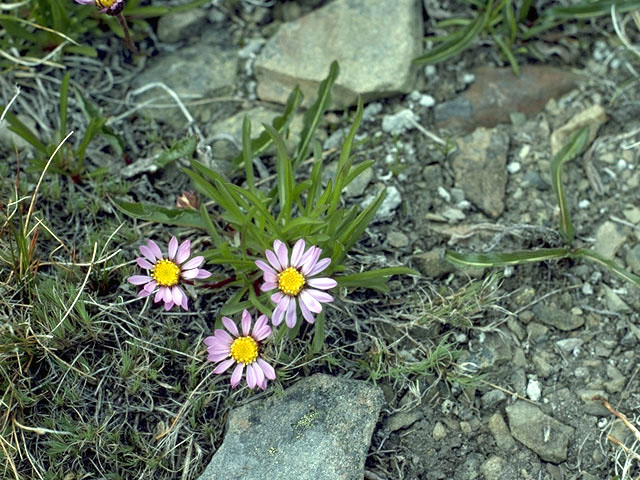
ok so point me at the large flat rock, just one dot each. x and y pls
(374, 41)
(319, 429)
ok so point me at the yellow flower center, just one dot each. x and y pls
(244, 350)
(290, 281)
(166, 273)
(105, 3)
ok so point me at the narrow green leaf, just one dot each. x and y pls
(351, 234)
(357, 170)
(247, 154)
(316, 178)
(260, 206)
(510, 21)
(590, 9)
(575, 146)
(318, 333)
(223, 199)
(180, 149)
(15, 125)
(610, 264)
(360, 278)
(209, 226)
(458, 44)
(64, 91)
(314, 114)
(284, 173)
(506, 50)
(154, 213)
(524, 10)
(507, 258)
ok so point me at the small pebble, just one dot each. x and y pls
(513, 167)
(584, 203)
(397, 239)
(534, 391)
(430, 70)
(444, 194)
(468, 78)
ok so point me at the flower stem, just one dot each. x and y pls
(127, 37)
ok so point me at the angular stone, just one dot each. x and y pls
(480, 169)
(556, 317)
(180, 26)
(432, 264)
(593, 117)
(193, 73)
(543, 434)
(609, 238)
(320, 428)
(497, 93)
(372, 64)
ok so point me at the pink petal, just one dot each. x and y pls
(149, 287)
(320, 266)
(266, 268)
(223, 366)
(195, 262)
(291, 318)
(185, 303)
(308, 316)
(184, 250)
(276, 297)
(230, 325)
(296, 253)
(143, 293)
(202, 274)
(311, 303)
(310, 262)
(139, 279)
(273, 260)
(144, 263)
(147, 253)
(270, 278)
(236, 376)
(173, 247)
(168, 305)
(323, 283)
(166, 294)
(153, 246)
(258, 373)
(268, 370)
(266, 286)
(224, 336)
(246, 322)
(322, 297)
(217, 357)
(261, 330)
(282, 252)
(176, 295)
(189, 274)
(159, 295)
(210, 341)
(251, 377)
(276, 317)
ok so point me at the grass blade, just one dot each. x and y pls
(472, 259)
(64, 95)
(568, 152)
(284, 174)
(153, 213)
(610, 264)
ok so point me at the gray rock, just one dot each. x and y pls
(180, 26)
(371, 64)
(493, 351)
(541, 433)
(633, 259)
(399, 122)
(226, 135)
(570, 345)
(593, 117)
(397, 239)
(370, 111)
(400, 420)
(479, 168)
(193, 73)
(609, 237)
(494, 468)
(359, 184)
(500, 433)
(432, 264)
(614, 302)
(492, 398)
(556, 317)
(319, 429)
(537, 332)
(391, 201)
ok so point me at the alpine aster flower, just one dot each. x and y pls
(227, 347)
(293, 280)
(164, 274)
(110, 7)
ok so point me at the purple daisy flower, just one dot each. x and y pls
(227, 347)
(293, 280)
(164, 274)
(110, 7)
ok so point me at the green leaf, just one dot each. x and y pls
(15, 125)
(351, 234)
(610, 264)
(180, 149)
(314, 114)
(284, 173)
(575, 146)
(280, 123)
(507, 258)
(316, 178)
(209, 226)
(64, 92)
(506, 50)
(373, 278)
(318, 333)
(219, 191)
(590, 9)
(154, 213)
(460, 43)
(247, 154)
(260, 206)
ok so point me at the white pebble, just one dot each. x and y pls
(430, 70)
(444, 194)
(584, 203)
(513, 167)
(427, 101)
(468, 78)
(534, 392)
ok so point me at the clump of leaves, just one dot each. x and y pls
(572, 149)
(510, 26)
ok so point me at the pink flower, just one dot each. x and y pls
(110, 7)
(164, 274)
(293, 279)
(243, 349)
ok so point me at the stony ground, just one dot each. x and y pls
(486, 374)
